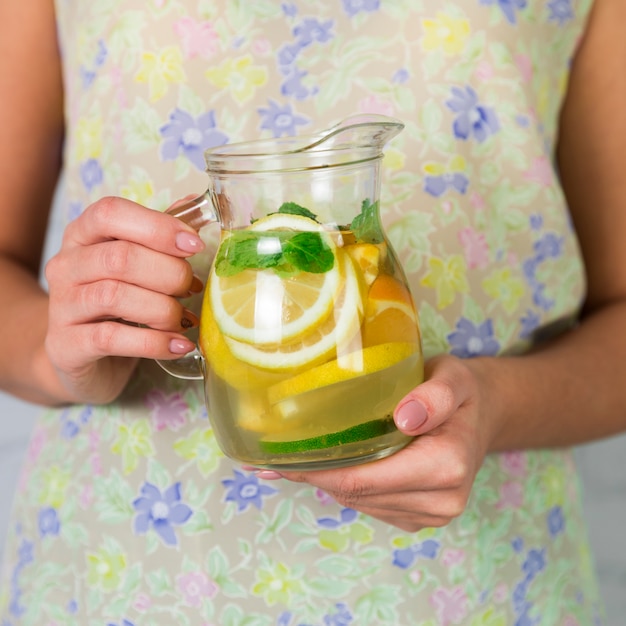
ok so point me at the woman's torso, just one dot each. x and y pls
(130, 512)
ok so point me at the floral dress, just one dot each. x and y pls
(128, 514)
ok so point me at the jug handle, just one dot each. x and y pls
(197, 212)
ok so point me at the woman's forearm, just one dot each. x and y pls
(565, 392)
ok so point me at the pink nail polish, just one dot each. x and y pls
(411, 415)
(268, 475)
(188, 242)
(181, 346)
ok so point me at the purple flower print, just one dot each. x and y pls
(353, 7)
(470, 340)
(560, 11)
(556, 521)
(342, 617)
(405, 557)
(246, 490)
(49, 523)
(535, 562)
(124, 622)
(472, 118)
(160, 511)
(168, 410)
(438, 185)
(312, 30)
(347, 516)
(293, 87)
(190, 136)
(401, 76)
(530, 322)
(289, 9)
(281, 120)
(550, 246)
(287, 56)
(91, 174)
(508, 7)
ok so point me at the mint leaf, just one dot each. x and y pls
(366, 226)
(295, 209)
(286, 252)
(309, 253)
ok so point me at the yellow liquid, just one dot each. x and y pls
(341, 418)
(294, 433)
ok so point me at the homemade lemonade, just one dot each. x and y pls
(310, 339)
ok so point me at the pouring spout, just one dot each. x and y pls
(367, 130)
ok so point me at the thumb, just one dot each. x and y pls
(427, 406)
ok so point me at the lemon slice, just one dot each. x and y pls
(323, 338)
(358, 363)
(263, 307)
(367, 257)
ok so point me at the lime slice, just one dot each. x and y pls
(360, 432)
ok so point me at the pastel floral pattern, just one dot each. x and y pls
(129, 514)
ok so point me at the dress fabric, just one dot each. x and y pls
(128, 514)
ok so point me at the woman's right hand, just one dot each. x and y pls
(113, 290)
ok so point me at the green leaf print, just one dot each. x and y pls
(159, 582)
(114, 498)
(378, 606)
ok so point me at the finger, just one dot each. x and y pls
(446, 388)
(98, 340)
(117, 218)
(111, 299)
(123, 261)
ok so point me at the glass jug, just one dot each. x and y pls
(308, 334)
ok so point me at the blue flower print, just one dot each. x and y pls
(472, 119)
(287, 56)
(470, 340)
(346, 516)
(560, 11)
(530, 322)
(535, 562)
(405, 557)
(190, 137)
(401, 76)
(91, 174)
(508, 7)
(124, 622)
(246, 490)
(293, 87)
(550, 246)
(353, 7)
(313, 30)
(342, 617)
(281, 120)
(438, 185)
(556, 521)
(49, 523)
(289, 9)
(160, 511)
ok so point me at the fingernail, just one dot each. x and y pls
(411, 415)
(196, 285)
(181, 346)
(189, 320)
(268, 475)
(189, 242)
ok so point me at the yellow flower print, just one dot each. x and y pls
(239, 76)
(553, 486)
(503, 286)
(140, 191)
(202, 448)
(448, 277)
(88, 140)
(393, 159)
(490, 617)
(54, 485)
(161, 70)
(105, 569)
(133, 441)
(446, 33)
(276, 585)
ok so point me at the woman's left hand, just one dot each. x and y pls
(428, 482)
